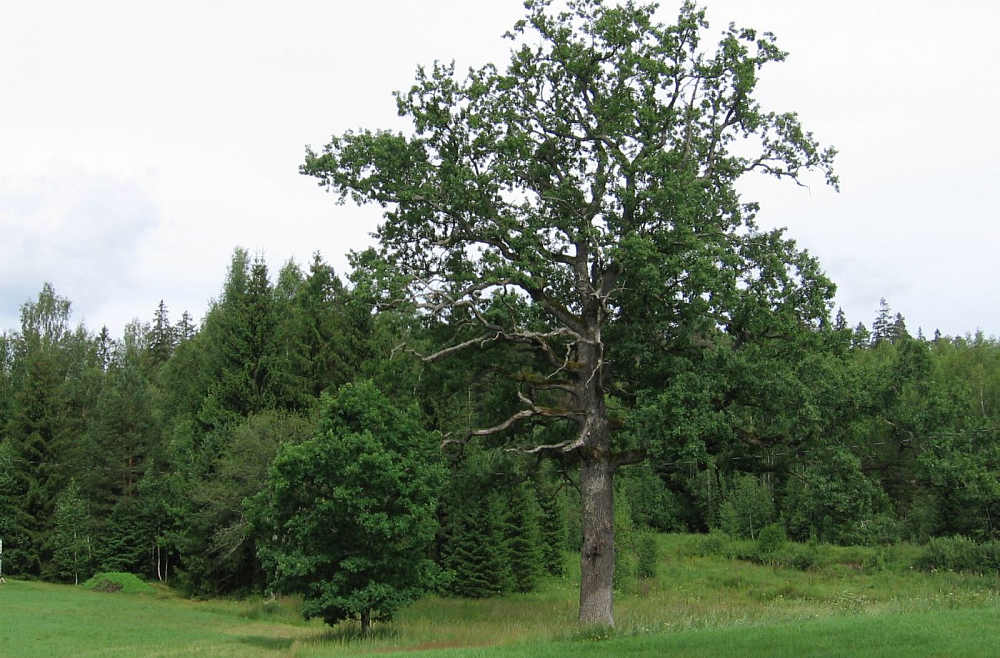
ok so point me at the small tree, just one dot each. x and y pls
(747, 507)
(552, 526)
(70, 541)
(527, 559)
(352, 511)
(476, 552)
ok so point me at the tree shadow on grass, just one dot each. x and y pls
(342, 634)
(268, 643)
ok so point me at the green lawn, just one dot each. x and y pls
(698, 606)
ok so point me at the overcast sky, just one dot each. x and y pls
(141, 142)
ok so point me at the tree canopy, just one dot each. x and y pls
(351, 512)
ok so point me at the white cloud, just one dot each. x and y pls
(82, 232)
(182, 124)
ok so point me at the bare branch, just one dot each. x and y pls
(533, 411)
(628, 457)
(565, 446)
(453, 299)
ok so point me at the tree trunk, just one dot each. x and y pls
(366, 622)
(597, 556)
(597, 471)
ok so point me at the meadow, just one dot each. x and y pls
(850, 602)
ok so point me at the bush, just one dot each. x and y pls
(646, 550)
(771, 540)
(715, 544)
(625, 543)
(126, 583)
(804, 557)
(835, 501)
(876, 562)
(956, 553)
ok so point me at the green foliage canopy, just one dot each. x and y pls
(352, 511)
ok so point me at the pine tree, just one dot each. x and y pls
(476, 552)
(162, 336)
(524, 540)
(553, 530)
(185, 328)
(39, 425)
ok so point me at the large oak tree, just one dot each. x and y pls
(590, 184)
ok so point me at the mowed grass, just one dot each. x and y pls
(697, 606)
(38, 619)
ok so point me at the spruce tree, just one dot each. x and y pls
(124, 544)
(477, 552)
(552, 526)
(524, 541)
(328, 333)
(40, 425)
(162, 336)
(185, 329)
(472, 565)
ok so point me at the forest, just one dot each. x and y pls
(572, 334)
(143, 454)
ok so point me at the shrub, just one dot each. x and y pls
(876, 562)
(835, 501)
(715, 544)
(646, 550)
(804, 557)
(956, 553)
(991, 556)
(625, 542)
(771, 540)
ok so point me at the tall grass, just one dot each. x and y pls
(696, 593)
(951, 633)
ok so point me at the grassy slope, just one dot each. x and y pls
(38, 619)
(950, 633)
(698, 606)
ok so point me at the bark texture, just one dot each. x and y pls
(597, 556)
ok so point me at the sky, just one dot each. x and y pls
(142, 142)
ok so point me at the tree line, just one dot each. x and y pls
(145, 453)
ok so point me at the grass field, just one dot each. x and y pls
(697, 606)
